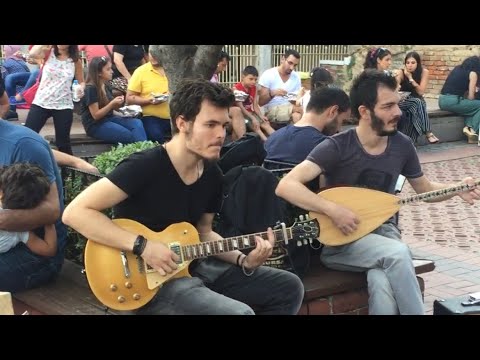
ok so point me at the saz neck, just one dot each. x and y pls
(215, 247)
(437, 193)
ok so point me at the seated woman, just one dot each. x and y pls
(458, 95)
(413, 78)
(319, 78)
(98, 105)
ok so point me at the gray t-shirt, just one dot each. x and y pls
(10, 239)
(346, 163)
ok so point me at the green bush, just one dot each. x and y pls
(75, 182)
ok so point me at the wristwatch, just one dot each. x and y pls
(139, 245)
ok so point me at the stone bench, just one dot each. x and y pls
(326, 292)
(446, 126)
(83, 145)
(330, 292)
(68, 295)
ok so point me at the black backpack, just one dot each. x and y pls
(248, 150)
(250, 205)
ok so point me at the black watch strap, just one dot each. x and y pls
(139, 245)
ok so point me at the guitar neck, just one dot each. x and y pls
(215, 247)
(437, 193)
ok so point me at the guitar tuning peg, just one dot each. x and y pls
(296, 219)
(299, 243)
(307, 217)
(305, 242)
(301, 217)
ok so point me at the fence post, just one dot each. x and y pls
(264, 59)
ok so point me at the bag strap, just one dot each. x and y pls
(109, 53)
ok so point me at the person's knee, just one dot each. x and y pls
(399, 252)
(235, 112)
(241, 309)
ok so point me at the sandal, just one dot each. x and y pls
(471, 135)
(432, 139)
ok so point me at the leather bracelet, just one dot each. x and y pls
(238, 259)
(242, 263)
(139, 245)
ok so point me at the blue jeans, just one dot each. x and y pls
(25, 79)
(392, 284)
(21, 269)
(118, 129)
(156, 128)
(269, 291)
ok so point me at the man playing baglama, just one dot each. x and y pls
(372, 155)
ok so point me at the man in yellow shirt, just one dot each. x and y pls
(146, 81)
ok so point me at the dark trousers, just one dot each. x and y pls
(62, 120)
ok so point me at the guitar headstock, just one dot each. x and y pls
(305, 230)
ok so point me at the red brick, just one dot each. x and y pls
(349, 301)
(319, 307)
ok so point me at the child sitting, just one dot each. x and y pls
(249, 106)
(25, 186)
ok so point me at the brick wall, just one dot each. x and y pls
(438, 59)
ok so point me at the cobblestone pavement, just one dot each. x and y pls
(446, 232)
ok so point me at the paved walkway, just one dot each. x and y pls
(446, 232)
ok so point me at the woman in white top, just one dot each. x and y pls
(54, 94)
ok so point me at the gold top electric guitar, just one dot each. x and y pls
(123, 281)
(372, 207)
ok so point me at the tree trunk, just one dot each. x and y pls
(186, 61)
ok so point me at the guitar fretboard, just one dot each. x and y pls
(215, 247)
(437, 193)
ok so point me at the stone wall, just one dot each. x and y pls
(438, 59)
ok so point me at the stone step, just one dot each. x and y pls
(446, 126)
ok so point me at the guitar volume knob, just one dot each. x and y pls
(121, 299)
(113, 287)
(136, 296)
(128, 285)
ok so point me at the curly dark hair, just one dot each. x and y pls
(24, 186)
(187, 99)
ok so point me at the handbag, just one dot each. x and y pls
(29, 94)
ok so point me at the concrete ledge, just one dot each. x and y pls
(446, 126)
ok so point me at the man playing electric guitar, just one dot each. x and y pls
(372, 155)
(179, 182)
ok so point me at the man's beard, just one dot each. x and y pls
(379, 127)
(331, 128)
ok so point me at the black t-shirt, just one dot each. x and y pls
(457, 82)
(157, 196)
(132, 57)
(91, 97)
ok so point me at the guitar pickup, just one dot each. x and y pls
(177, 249)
